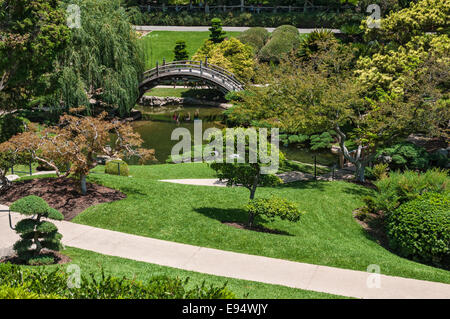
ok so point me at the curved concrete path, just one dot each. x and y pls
(337, 281)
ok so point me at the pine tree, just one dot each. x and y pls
(180, 51)
(43, 234)
(217, 35)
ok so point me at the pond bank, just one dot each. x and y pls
(148, 100)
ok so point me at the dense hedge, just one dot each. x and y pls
(112, 168)
(282, 41)
(11, 125)
(42, 283)
(420, 229)
(403, 156)
(238, 19)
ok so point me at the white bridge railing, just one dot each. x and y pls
(198, 69)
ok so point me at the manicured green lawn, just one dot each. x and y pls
(23, 170)
(327, 234)
(92, 262)
(160, 44)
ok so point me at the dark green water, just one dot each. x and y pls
(158, 124)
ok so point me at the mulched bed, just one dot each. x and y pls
(59, 258)
(255, 228)
(62, 194)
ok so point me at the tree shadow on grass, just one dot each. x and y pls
(359, 191)
(237, 218)
(319, 185)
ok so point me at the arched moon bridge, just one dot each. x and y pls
(188, 71)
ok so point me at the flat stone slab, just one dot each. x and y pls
(344, 282)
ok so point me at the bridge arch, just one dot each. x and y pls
(211, 74)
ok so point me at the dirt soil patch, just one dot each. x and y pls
(255, 228)
(62, 194)
(57, 256)
(374, 226)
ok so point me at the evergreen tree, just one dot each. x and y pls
(180, 51)
(32, 35)
(217, 35)
(34, 231)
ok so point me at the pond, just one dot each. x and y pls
(158, 123)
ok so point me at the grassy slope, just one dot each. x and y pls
(327, 234)
(162, 43)
(92, 262)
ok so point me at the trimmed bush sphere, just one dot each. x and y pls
(256, 37)
(112, 168)
(420, 229)
(282, 41)
(272, 208)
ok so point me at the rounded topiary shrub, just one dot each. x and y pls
(420, 229)
(273, 207)
(282, 41)
(256, 37)
(112, 168)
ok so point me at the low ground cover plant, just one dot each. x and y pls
(420, 229)
(24, 282)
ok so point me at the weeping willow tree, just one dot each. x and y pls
(103, 65)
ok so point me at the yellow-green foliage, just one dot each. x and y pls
(392, 70)
(231, 54)
(112, 168)
(401, 26)
(21, 292)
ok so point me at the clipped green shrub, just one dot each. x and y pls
(11, 125)
(180, 51)
(404, 156)
(322, 141)
(273, 207)
(255, 37)
(282, 41)
(420, 229)
(53, 283)
(37, 232)
(399, 188)
(112, 168)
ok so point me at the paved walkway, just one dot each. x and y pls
(288, 177)
(234, 265)
(206, 28)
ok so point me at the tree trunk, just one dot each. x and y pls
(83, 184)
(36, 239)
(5, 183)
(251, 216)
(357, 160)
(360, 168)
